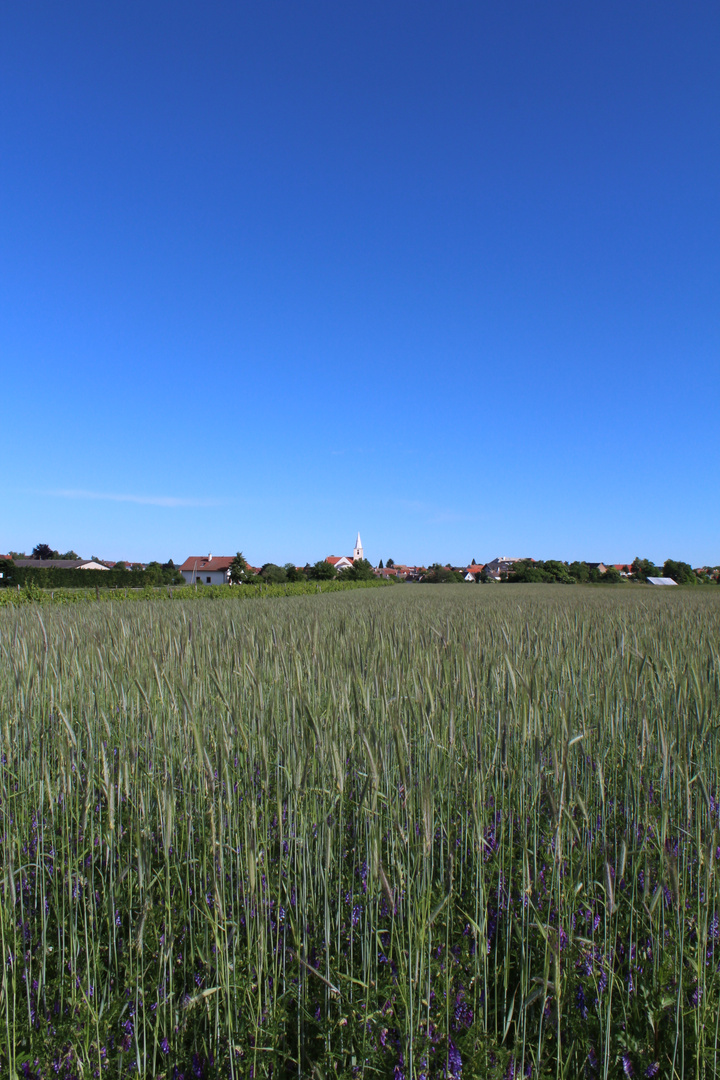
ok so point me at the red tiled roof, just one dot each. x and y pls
(475, 568)
(335, 559)
(202, 563)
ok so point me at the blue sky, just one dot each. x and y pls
(271, 273)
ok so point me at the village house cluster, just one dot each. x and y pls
(222, 569)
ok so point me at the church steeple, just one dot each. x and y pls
(358, 549)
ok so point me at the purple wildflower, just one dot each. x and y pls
(454, 1061)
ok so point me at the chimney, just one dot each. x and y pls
(209, 558)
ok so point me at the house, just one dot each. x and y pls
(409, 573)
(500, 567)
(60, 564)
(599, 566)
(207, 569)
(661, 581)
(472, 572)
(624, 569)
(340, 562)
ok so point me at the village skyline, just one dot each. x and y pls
(213, 569)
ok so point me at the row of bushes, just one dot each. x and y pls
(55, 578)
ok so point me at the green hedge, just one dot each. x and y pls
(54, 578)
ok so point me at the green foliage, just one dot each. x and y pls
(240, 572)
(361, 570)
(642, 569)
(294, 574)
(681, 572)
(273, 574)
(44, 551)
(55, 578)
(551, 570)
(441, 575)
(562, 573)
(322, 571)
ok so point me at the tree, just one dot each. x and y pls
(390, 563)
(642, 569)
(323, 571)
(611, 576)
(441, 575)
(120, 565)
(69, 555)
(273, 574)
(380, 565)
(681, 572)
(17, 555)
(44, 551)
(240, 572)
(361, 570)
(293, 574)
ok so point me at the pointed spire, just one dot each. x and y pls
(358, 550)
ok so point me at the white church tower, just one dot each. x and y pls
(358, 549)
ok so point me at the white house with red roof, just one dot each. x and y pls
(207, 569)
(472, 572)
(340, 562)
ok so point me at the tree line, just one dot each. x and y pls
(272, 574)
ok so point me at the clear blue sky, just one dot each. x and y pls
(271, 273)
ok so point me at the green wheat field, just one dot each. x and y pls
(411, 832)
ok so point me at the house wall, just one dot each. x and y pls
(217, 577)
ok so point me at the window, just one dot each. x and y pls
(208, 579)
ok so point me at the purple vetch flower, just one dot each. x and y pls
(463, 1013)
(454, 1061)
(627, 1065)
(165, 1046)
(653, 1069)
